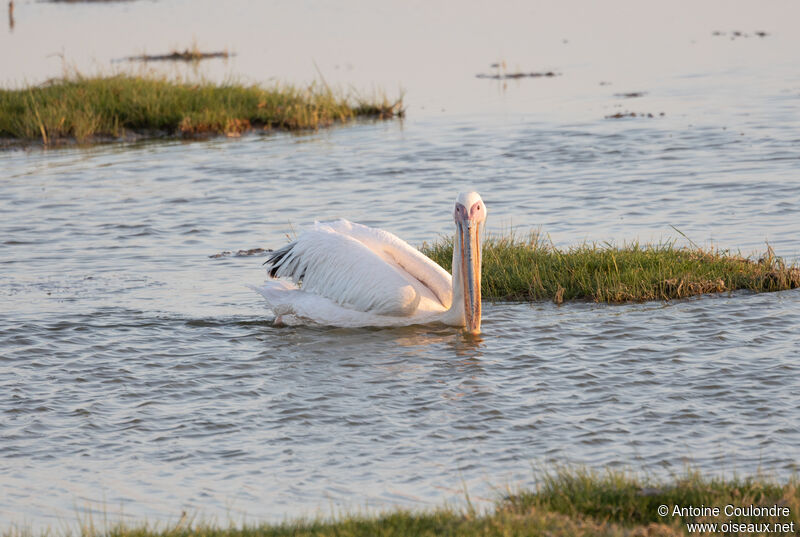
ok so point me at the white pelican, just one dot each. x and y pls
(348, 275)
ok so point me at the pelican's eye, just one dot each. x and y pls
(475, 209)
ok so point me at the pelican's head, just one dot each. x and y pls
(470, 214)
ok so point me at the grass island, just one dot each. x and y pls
(530, 269)
(123, 107)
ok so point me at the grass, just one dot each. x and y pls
(568, 503)
(622, 498)
(530, 268)
(87, 109)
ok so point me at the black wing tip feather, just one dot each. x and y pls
(276, 259)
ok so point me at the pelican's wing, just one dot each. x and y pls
(293, 306)
(336, 266)
(395, 249)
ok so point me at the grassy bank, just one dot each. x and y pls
(566, 504)
(530, 268)
(630, 501)
(124, 106)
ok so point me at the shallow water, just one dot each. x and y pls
(139, 378)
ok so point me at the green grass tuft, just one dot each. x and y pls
(620, 497)
(531, 269)
(89, 108)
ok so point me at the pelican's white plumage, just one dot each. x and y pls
(346, 274)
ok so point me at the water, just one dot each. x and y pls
(139, 378)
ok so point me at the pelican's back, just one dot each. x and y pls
(332, 264)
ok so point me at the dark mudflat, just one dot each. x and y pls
(240, 253)
(621, 115)
(506, 76)
(185, 56)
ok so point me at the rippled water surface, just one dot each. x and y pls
(140, 378)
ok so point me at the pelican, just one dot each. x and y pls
(348, 275)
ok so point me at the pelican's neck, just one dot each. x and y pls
(455, 315)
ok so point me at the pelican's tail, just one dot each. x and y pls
(278, 294)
